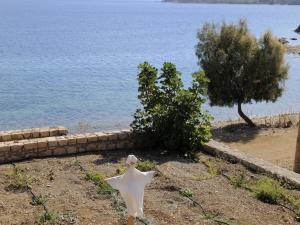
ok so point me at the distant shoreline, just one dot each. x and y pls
(237, 2)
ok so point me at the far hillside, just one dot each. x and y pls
(282, 2)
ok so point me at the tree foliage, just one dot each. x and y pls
(241, 68)
(171, 117)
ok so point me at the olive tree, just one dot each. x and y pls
(241, 68)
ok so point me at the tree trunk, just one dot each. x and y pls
(246, 118)
(297, 155)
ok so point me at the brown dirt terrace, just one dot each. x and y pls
(183, 192)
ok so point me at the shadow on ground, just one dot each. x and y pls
(240, 132)
(158, 156)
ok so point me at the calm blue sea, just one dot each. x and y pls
(75, 61)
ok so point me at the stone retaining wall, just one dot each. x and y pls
(220, 150)
(55, 146)
(32, 133)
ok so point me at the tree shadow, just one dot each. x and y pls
(239, 132)
(156, 155)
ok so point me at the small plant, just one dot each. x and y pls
(76, 163)
(120, 170)
(186, 193)
(201, 177)
(20, 179)
(297, 216)
(208, 216)
(105, 189)
(50, 217)
(268, 190)
(94, 176)
(145, 166)
(99, 179)
(212, 169)
(238, 181)
(39, 200)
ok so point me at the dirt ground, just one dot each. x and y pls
(271, 143)
(75, 200)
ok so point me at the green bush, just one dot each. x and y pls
(19, 178)
(171, 117)
(186, 193)
(94, 176)
(50, 217)
(105, 189)
(39, 200)
(239, 181)
(268, 190)
(145, 166)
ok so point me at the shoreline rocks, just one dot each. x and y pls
(297, 30)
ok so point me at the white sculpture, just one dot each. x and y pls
(131, 186)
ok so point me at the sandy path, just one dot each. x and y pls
(275, 145)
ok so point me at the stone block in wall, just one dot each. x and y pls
(17, 136)
(71, 149)
(102, 146)
(42, 144)
(61, 141)
(26, 134)
(44, 132)
(45, 153)
(124, 134)
(52, 142)
(59, 151)
(35, 133)
(102, 136)
(81, 139)
(111, 146)
(81, 149)
(71, 139)
(16, 147)
(28, 155)
(129, 144)
(92, 147)
(91, 137)
(112, 136)
(30, 145)
(120, 145)
(53, 132)
(5, 147)
(62, 130)
(5, 137)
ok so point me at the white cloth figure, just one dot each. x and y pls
(131, 186)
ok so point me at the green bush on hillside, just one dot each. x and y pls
(171, 117)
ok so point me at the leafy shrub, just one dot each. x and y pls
(105, 189)
(145, 166)
(297, 216)
(50, 217)
(268, 190)
(94, 176)
(99, 179)
(120, 170)
(39, 200)
(171, 117)
(239, 181)
(186, 193)
(19, 178)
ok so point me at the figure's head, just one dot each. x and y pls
(131, 160)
